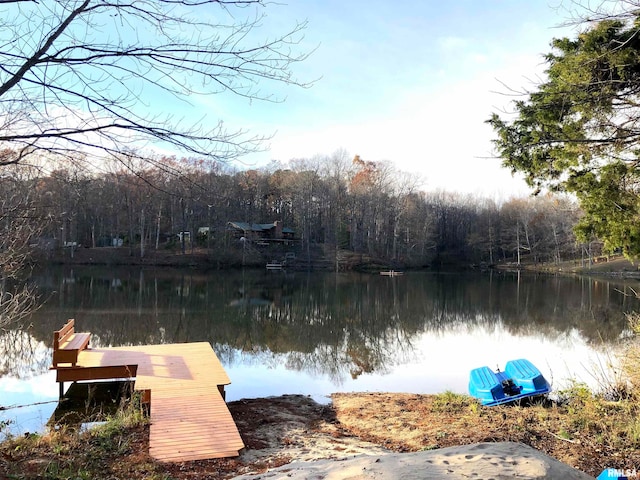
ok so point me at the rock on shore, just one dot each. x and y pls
(481, 461)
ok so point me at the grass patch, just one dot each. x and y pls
(630, 361)
(112, 450)
(450, 402)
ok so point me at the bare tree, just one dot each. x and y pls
(97, 75)
(84, 80)
(17, 231)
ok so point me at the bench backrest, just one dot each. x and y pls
(65, 332)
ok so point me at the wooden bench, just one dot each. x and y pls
(67, 344)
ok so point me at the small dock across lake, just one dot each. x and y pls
(391, 273)
(189, 417)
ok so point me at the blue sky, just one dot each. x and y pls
(410, 82)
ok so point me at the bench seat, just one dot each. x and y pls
(67, 344)
(68, 352)
(78, 341)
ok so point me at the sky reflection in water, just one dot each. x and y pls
(438, 363)
(30, 402)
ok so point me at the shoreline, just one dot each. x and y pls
(613, 266)
(291, 435)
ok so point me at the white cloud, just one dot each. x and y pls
(437, 131)
(420, 101)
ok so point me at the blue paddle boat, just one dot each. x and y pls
(520, 379)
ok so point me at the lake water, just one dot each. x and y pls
(319, 333)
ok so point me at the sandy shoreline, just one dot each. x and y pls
(501, 460)
(293, 437)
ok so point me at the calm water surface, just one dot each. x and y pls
(320, 333)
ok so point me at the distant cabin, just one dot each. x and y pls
(261, 232)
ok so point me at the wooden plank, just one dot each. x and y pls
(74, 374)
(76, 341)
(192, 431)
(200, 442)
(189, 419)
(60, 335)
(219, 421)
(180, 434)
(195, 443)
(186, 456)
(64, 356)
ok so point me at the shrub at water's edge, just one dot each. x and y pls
(630, 361)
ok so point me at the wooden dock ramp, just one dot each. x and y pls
(189, 417)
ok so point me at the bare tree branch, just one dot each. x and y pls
(92, 74)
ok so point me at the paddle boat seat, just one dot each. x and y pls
(520, 379)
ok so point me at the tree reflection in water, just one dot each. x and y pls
(21, 354)
(337, 326)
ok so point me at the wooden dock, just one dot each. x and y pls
(391, 273)
(189, 417)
